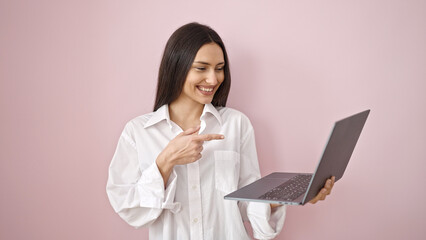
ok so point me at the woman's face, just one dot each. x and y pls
(205, 76)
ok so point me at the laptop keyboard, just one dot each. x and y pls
(289, 190)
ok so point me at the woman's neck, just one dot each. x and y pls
(186, 115)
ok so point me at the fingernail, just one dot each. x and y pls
(222, 137)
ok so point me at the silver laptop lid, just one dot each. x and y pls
(337, 152)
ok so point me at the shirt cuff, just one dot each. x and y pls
(152, 192)
(266, 223)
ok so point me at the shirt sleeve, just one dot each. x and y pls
(138, 196)
(266, 224)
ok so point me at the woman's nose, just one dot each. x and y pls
(212, 78)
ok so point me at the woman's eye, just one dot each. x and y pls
(219, 69)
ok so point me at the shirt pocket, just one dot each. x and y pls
(227, 170)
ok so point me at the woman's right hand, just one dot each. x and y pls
(183, 149)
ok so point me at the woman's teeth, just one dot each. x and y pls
(206, 89)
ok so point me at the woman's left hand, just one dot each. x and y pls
(326, 190)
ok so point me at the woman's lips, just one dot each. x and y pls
(208, 91)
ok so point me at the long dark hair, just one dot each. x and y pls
(177, 60)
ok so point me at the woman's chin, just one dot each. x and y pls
(205, 99)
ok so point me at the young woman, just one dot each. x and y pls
(172, 167)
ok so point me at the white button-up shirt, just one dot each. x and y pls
(191, 205)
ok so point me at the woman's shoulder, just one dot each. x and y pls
(139, 121)
(228, 113)
(144, 118)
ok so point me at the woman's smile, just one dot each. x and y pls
(206, 90)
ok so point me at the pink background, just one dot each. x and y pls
(74, 72)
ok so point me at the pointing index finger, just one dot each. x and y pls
(209, 137)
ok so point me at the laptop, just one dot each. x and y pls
(300, 188)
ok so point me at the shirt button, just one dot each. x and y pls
(195, 220)
(194, 187)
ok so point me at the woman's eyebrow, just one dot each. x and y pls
(206, 63)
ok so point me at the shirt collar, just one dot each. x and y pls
(209, 108)
(163, 114)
